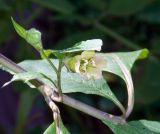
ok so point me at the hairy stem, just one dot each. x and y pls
(66, 99)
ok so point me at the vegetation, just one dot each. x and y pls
(80, 69)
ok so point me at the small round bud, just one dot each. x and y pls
(33, 37)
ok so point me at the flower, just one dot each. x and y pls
(87, 64)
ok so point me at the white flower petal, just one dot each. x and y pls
(77, 67)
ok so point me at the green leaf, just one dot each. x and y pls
(19, 29)
(94, 44)
(71, 82)
(98, 4)
(61, 6)
(4, 6)
(52, 129)
(32, 36)
(135, 127)
(148, 84)
(25, 104)
(127, 58)
(127, 7)
(27, 76)
(151, 13)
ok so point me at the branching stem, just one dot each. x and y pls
(66, 99)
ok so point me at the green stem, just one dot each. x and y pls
(49, 61)
(59, 77)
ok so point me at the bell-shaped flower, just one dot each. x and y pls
(86, 64)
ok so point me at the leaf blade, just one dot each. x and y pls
(52, 129)
(127, 58)
(19, 29)
(135, 127)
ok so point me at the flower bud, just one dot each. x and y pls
(33, 37)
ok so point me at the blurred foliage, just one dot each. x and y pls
(123, 25)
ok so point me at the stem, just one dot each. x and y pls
(66, 99)
(91, 110)
(50, 62)
(129, 84)
(59, 78)
(58, 72)
(55, 110)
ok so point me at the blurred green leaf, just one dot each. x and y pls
(127, 58)
(127, 7)
(26, 100)
(147, 85)
(155, 45)
(62, 6)
(151, 13)
(98, 4)
(52, 129)
(135, 127)
(4, 6)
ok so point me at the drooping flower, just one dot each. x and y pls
(87, 64)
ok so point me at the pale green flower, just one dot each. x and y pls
(87, 64)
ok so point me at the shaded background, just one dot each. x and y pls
(123, 25)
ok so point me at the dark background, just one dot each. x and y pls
(123, 25)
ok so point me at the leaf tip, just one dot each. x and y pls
(144, 53)
(19, 29)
